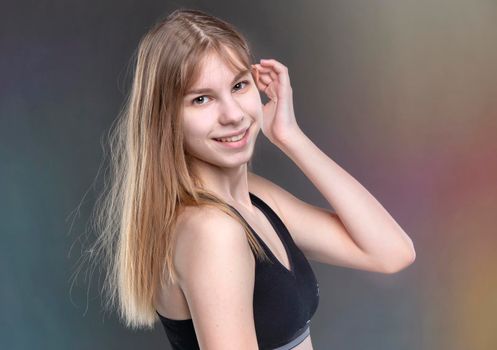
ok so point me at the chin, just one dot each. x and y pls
(223, 162)
(234, 164)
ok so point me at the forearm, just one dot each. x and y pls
(370, 226)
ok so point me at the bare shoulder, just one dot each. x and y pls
(206, 229)
(216, 271)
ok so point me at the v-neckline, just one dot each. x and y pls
(290, 270)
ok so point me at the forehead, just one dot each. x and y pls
(213, 68)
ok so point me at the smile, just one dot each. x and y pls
(234, 141)
(232, 138)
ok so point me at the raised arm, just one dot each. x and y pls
(216, 273)
(361, 234)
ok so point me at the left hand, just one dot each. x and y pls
(279, 122)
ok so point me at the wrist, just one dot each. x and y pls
(291, 139)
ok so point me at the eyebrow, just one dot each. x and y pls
(204, 90)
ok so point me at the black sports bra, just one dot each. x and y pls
(284, 299)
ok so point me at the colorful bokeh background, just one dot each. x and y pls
(401, 94)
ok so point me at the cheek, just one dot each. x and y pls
(254, 104)
(193, 124)
(196, 129)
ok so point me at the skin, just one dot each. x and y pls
(225, 110)
(232, 108)
(374, 243)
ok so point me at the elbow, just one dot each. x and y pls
(405, 262)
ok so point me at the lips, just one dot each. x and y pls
(239, 133)
(235, 138)
(242, 141)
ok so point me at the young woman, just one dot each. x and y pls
(190, 235)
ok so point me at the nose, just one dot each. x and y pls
(231, 111)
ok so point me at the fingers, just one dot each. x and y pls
(261, 85)
(266, 78)
(272, 78)
(271, 71)
(280, 69)
(266, 73)
(255, 74)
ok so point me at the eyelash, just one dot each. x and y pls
(246, 82)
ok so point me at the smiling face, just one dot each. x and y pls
(221, 103)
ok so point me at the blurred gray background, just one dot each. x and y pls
(402, 94)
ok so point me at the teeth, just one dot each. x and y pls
(232, 139)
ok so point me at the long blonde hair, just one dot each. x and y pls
(151, 179)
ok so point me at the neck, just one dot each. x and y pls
(230, 184)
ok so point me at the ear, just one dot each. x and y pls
(255, 74)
